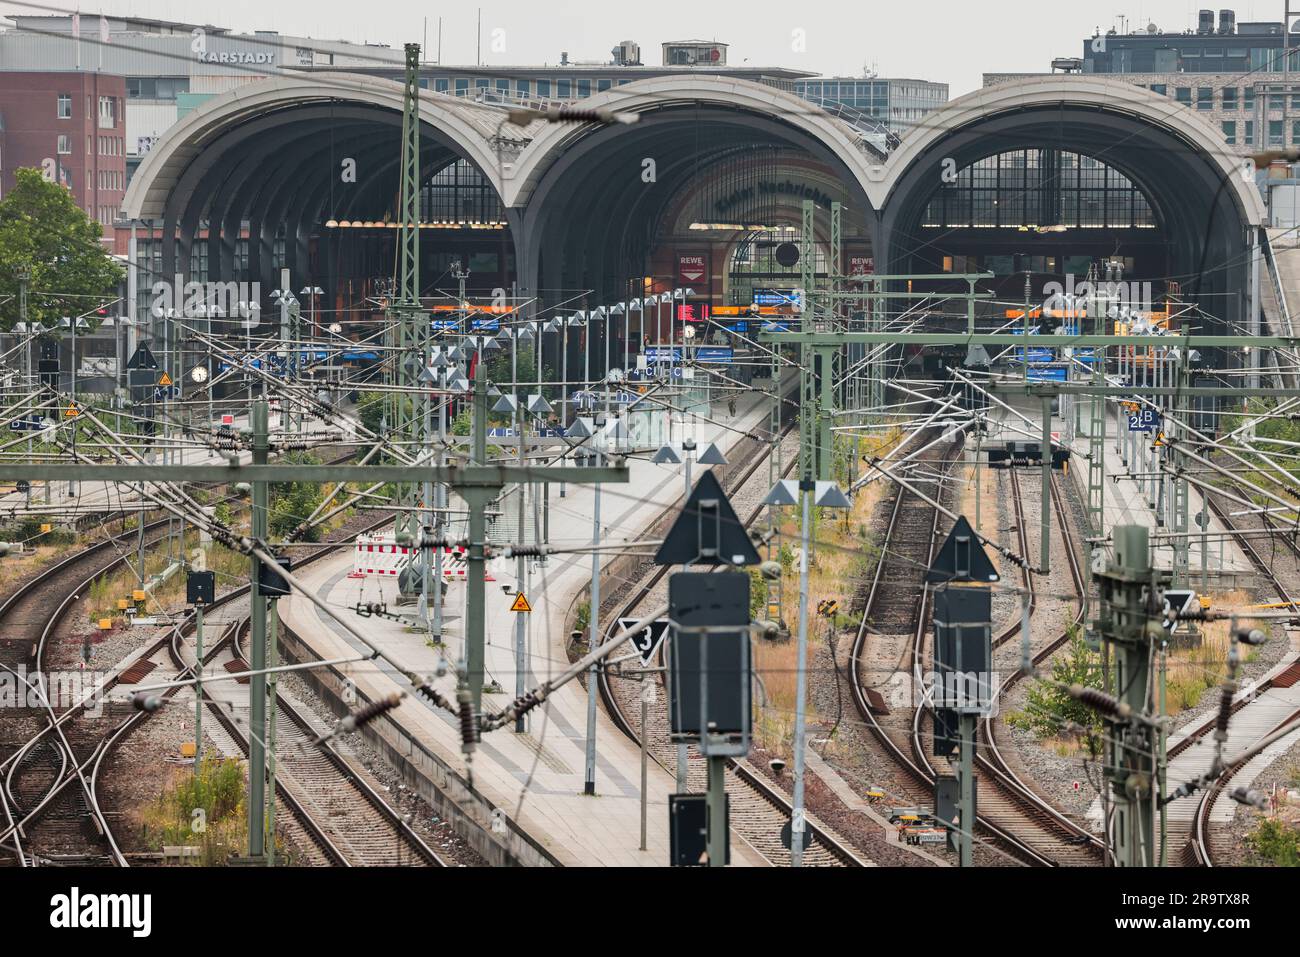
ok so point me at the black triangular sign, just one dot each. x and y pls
(961, 558)
(142, 358)
(647, 640)
(708, 531)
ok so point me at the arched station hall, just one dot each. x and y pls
(1028, 180)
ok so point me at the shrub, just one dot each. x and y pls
(1049, 707)
(1276, 842)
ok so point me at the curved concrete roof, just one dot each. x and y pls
(470, 126)
(641, 96)
(1088, 92)
(473, 128)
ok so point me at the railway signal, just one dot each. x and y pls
(709, 684)
(963, 686)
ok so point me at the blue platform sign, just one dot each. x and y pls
(660, 354)
(1048, 373)
(714, 355)
(776, 297)
(1144, 420)
(485, 325)
(31, 423)
(446, 325)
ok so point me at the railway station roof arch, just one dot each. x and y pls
(268, 157)
(1178, 161)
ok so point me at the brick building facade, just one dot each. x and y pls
(72, 127)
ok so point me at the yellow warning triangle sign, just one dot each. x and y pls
(72, 412)
(521, 603)
(164, 379)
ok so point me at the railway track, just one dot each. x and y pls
(1065, 841)
(39, 808)
(1193, 839)
(50, 786)
(334, 799)
(1014, 817)
(758, 811)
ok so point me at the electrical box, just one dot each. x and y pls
(963, 649)
(49, 372)
(947, 797)
(709, 659)
(201, 588)
(270, 582)
(688, 829)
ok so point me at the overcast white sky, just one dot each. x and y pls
(952, 41)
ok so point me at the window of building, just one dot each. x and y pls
(1184, 94)
(65, 106)
(480, 83)
(1037, 188)
(503, 86)
(462, 85)
(1276, 101)
(1248, 98)
(1204, 98)
(1295, 132)
(1229, 97)
(1161, 88)
(602, 86)
(459, 194)
(441, 84)
(156, 87)
(564, 89)
(521, 87)
(65, 144)
(1276, 134)
(1230, 132)
(107, 112)
(543, 87)
(584, 88)
(1250, 133)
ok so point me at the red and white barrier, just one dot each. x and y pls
(378, 556)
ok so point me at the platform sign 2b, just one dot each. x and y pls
(1144, 420)
(647, 640)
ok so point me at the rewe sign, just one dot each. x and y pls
(691, 269)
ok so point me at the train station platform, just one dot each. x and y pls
(535, 779)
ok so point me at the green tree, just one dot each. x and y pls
(292, 502)
(1276, 842)
(1049, 706)
(43, 232)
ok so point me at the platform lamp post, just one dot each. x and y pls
(311, 293)
(73, 324)
(630, 345)
(577, 320)
(250, 314)
(581, 431)
(823, 495)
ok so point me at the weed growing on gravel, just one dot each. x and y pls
(1276, 842)
(204, 810)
